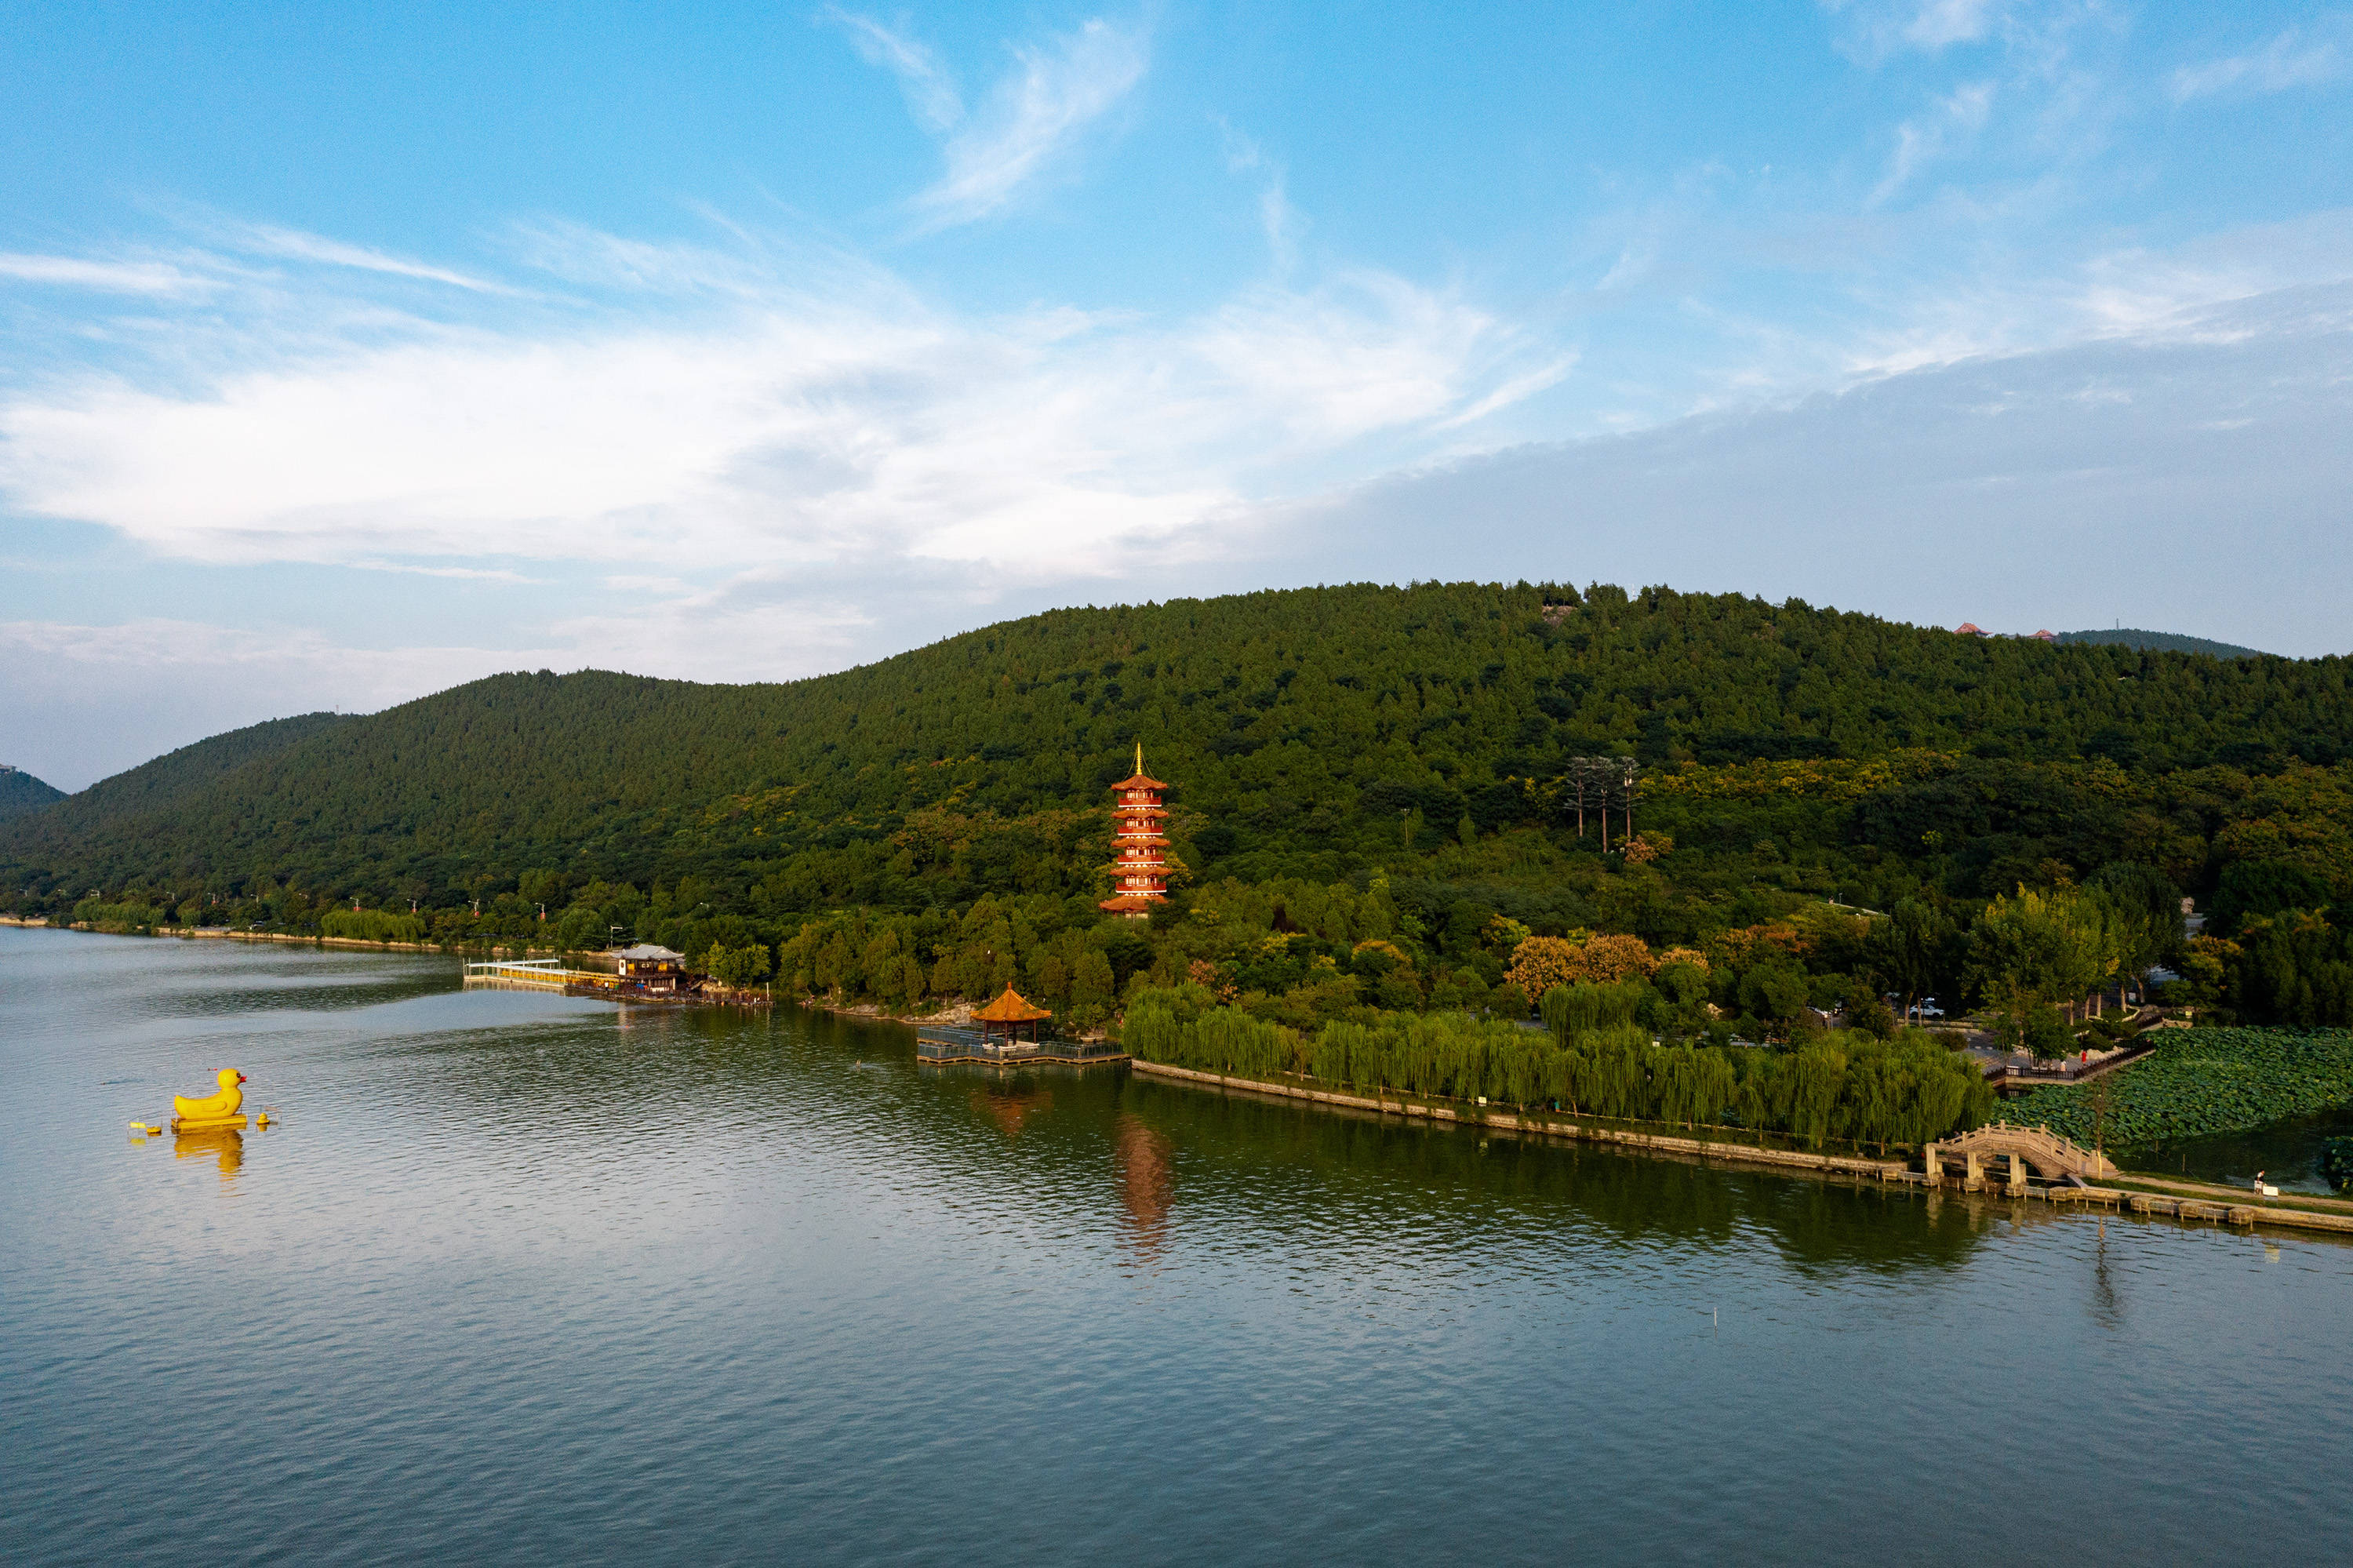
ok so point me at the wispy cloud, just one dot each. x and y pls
(1281, 223)
(464, 573)
(265, 239)
(813, 415)
(931, 90)
(2183, 294)
(1943, 131)
(2300, 57)
(1874, 30)
(1032, 118)
(108, 277)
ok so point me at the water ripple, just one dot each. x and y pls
(524, 1278)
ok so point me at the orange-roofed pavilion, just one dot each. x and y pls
(1009, 1012)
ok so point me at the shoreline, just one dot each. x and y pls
(729, 998)
(2140, 1194)
(2228, 1206)
(222, 933)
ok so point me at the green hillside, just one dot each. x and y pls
(185, 779)
(1331, 737)
(21, 792)
(2161, 641)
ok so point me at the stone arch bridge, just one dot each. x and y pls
(2050, 1156)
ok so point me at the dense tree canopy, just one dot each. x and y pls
(21, 792)
(1354, 765)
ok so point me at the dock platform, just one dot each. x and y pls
(943, 1043)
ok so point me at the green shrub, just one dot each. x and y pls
(130, 916)
(372, 926)
(2337, 1161)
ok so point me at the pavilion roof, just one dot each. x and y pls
(1011, 1009)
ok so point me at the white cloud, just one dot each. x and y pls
(929, 90)
(2300, 57)
(1032, 117)
(108, 277)
(811, 417)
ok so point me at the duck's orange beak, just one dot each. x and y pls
(240, 1077)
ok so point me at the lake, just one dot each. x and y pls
(526, 1278)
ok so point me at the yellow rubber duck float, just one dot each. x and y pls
(218, 1111)
(214, 1110)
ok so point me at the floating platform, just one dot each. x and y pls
(941, 1044)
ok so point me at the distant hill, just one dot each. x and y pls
(21, 792)
(173, 781)
(2162, 643)
(1308, 730)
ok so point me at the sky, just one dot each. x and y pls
(350, 352)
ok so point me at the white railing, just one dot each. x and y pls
(529, 966)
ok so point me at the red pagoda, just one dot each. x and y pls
(1139, 843)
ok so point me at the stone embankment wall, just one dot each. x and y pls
(1747, 1153)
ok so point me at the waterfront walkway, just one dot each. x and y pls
(2225, 1205)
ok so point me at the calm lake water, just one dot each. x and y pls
(520, 1278)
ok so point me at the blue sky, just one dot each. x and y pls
(355, 351)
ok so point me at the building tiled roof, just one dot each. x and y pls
(1011, 1008)
(648, 953)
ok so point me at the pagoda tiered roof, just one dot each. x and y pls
(1139, 781)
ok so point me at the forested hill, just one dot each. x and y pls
(2162, 642)
(185, 780)
(21, 792)
(1306, 731)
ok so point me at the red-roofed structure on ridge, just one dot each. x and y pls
(1139, 844)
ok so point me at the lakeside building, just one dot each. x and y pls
(1139, 841)
(655, 968)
